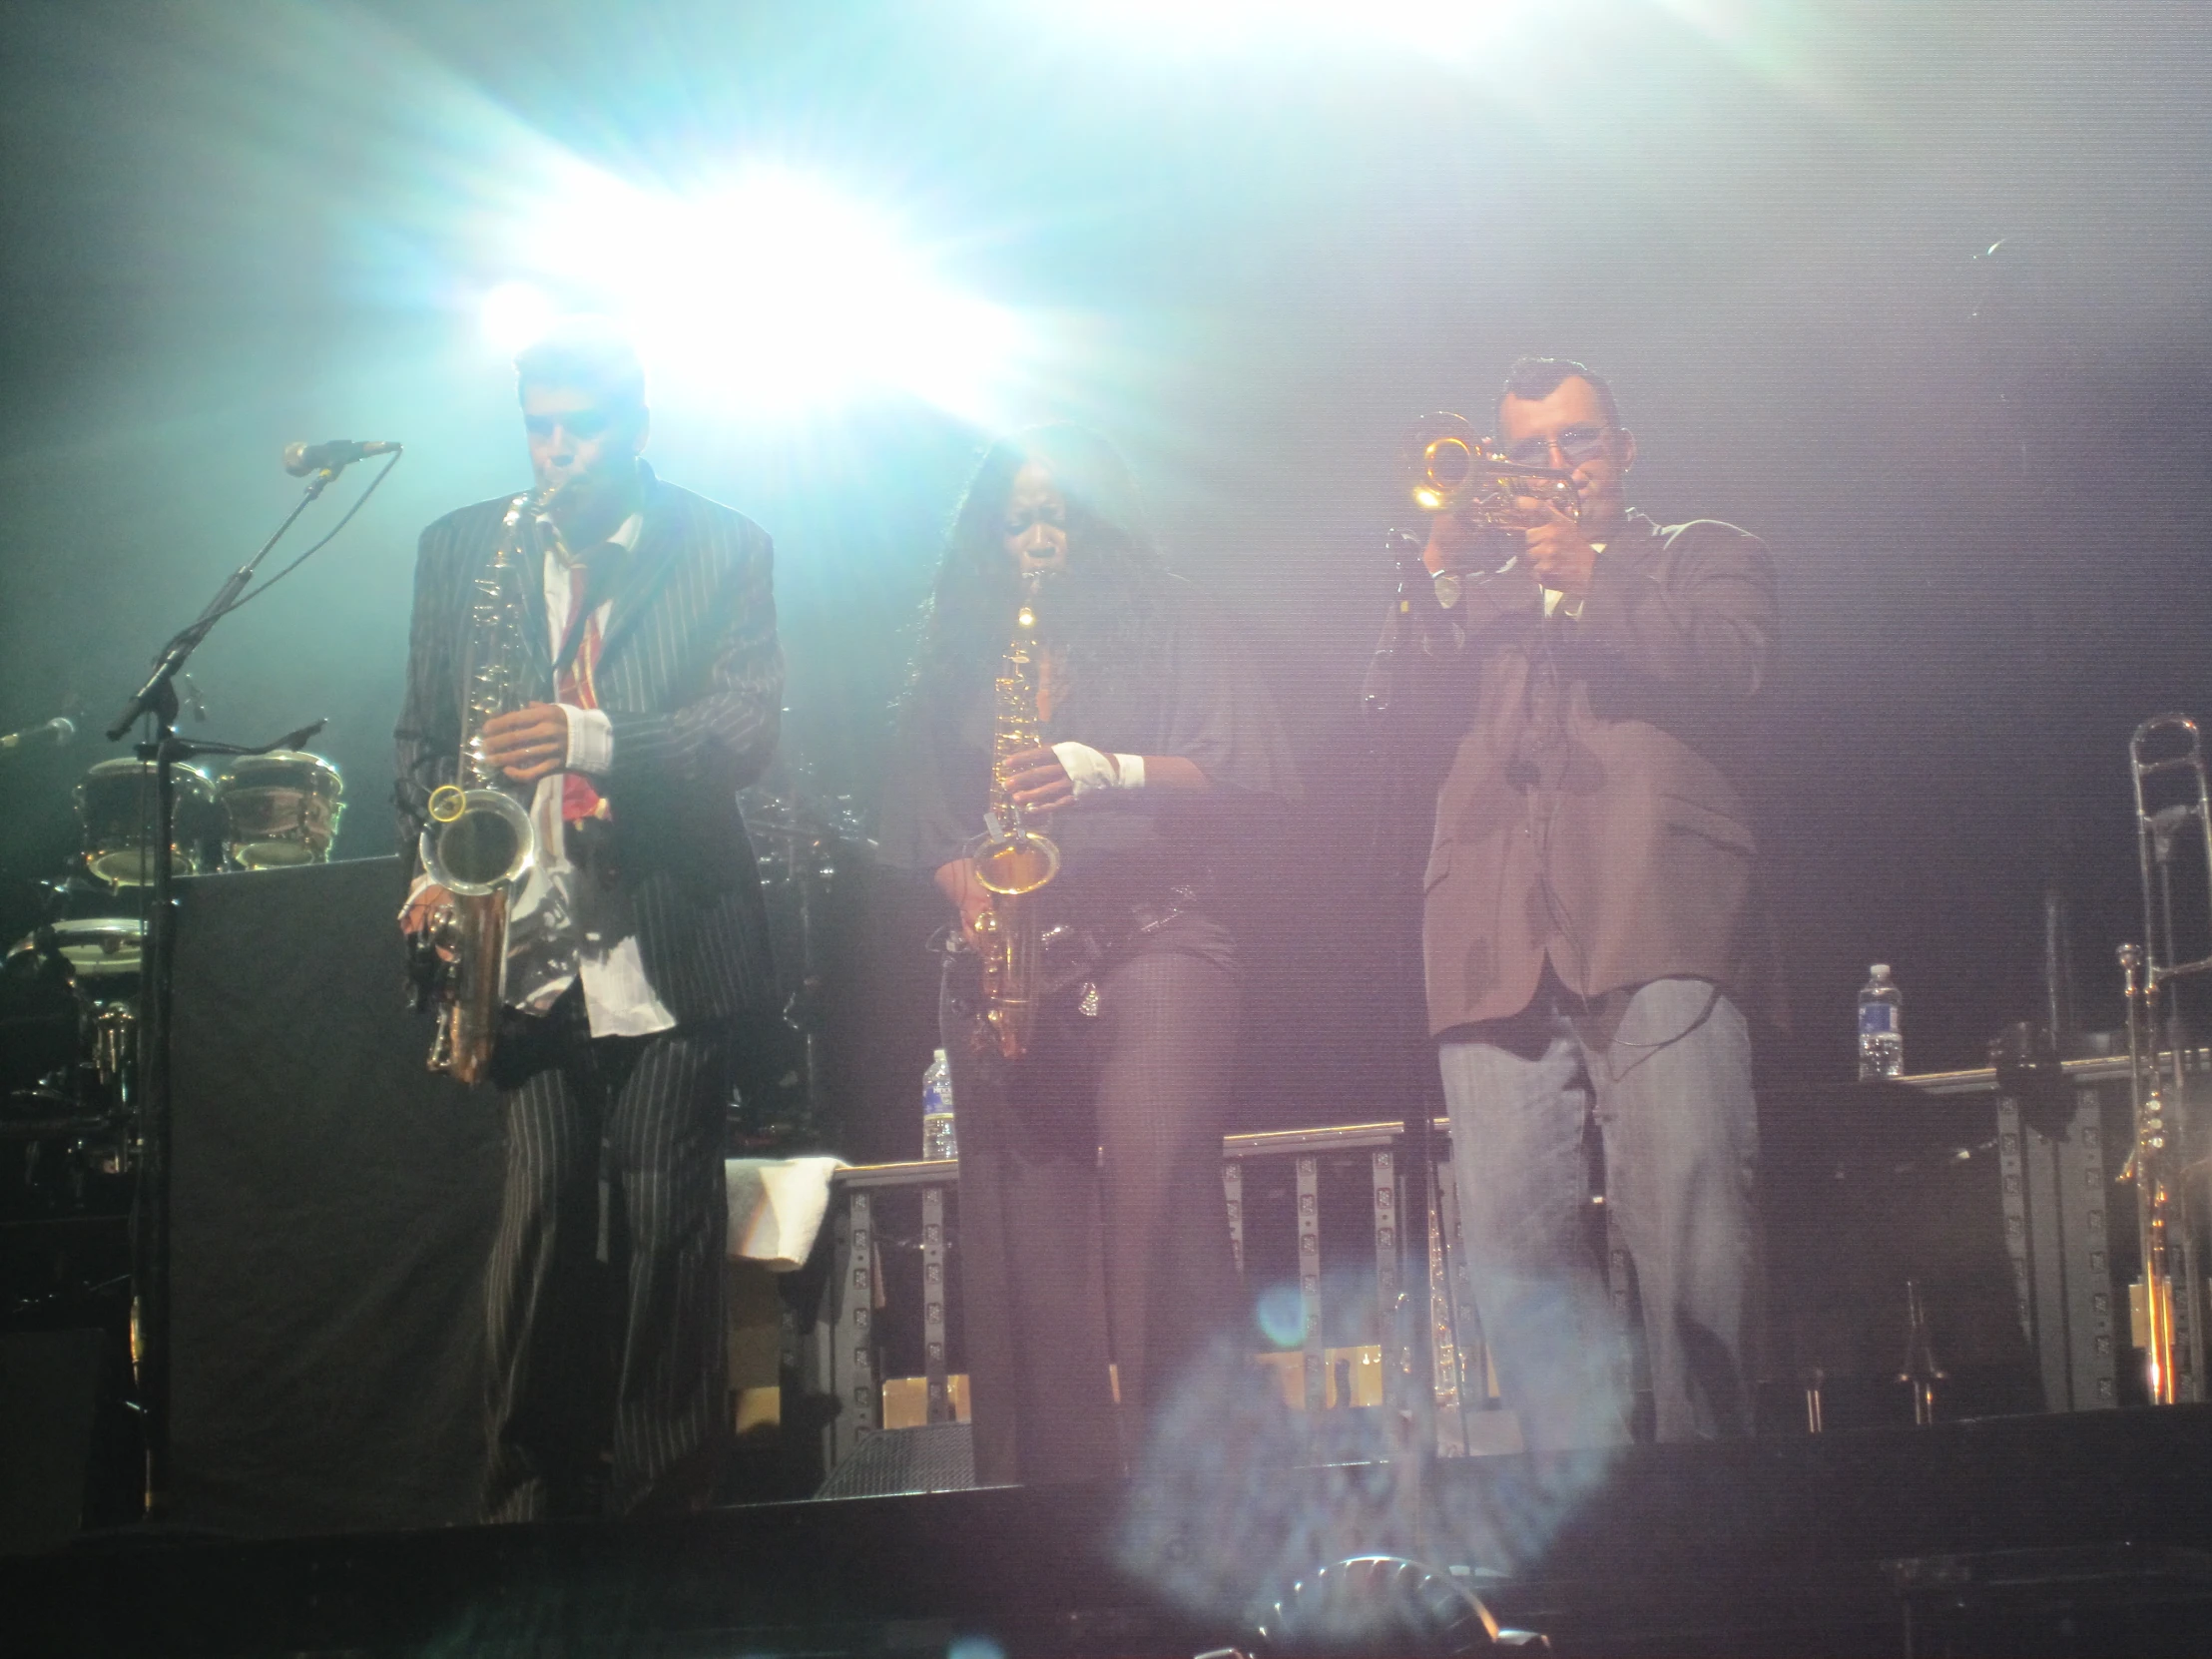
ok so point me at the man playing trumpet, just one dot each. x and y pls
(1592, 933)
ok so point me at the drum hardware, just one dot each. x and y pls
(800, 837)
(69, 1004)
(1919, 1370)
(115, 1046)
(67, 1012)
(279, 809)
(2167, 761)
(155, 702)
(69, 1027)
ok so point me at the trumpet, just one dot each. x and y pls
(1452, 468)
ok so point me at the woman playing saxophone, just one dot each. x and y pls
(1124, 727)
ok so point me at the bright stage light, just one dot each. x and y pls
(1443, 28)
(773, 293)
(514, 314)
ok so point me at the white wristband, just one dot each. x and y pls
(591, 740)
(1089, 770)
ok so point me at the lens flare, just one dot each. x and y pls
(1442, 29)
(1280, 1313)
(514, 314)
(771, 294)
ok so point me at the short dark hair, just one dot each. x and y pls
(1534, 377)
(588, 354)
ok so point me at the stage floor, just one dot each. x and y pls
(2086, 1534)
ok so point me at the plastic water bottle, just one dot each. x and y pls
(937, 1139)
(1880, 1025)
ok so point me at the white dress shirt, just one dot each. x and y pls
(1450, 585)
(618, 997)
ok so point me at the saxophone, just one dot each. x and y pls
(480, 841)
(1011, 859)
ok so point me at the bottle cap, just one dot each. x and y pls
(1881, 970)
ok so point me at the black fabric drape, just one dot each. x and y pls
(333, 1204)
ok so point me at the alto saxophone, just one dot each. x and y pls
(1011, 859)
(480, 841)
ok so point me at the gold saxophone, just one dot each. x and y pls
(1011, 859)
(480, 841)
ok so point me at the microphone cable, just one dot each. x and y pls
(205, 623)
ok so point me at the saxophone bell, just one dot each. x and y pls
(1011, 859)
(487, 842)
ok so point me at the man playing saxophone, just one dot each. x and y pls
(636, 937)
(1591, 927)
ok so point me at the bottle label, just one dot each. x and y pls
(1877, 1019)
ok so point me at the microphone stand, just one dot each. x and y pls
(1414, 1364)
(156, 700)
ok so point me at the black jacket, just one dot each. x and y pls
(690, 677)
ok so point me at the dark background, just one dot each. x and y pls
(1983, 475)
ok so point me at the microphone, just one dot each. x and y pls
(59, 730)
(335, 456)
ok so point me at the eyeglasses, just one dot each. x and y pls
(1577, 443)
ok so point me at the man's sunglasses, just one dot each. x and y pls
(1577, 443)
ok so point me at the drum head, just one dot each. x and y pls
(95, 948)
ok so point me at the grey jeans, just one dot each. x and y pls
(1664, 1073)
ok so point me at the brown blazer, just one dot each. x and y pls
(1590, 818)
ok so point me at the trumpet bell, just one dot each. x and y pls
(1441, 459)
(1450, 467)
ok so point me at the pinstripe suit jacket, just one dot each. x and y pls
(690, 677)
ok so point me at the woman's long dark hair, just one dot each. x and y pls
(1099, 609)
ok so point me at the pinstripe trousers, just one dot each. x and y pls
(604, 1317)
